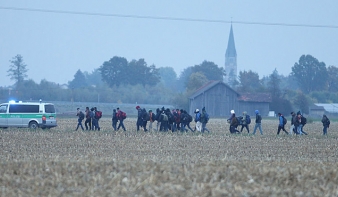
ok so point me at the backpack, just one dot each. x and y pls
(165, 117)
(170, 117)
(98, 114)
(189, 119)
(303, 120)
(206, 117)
(239, 121)
(81, 115)
(248, 119)
(123, 115)
(146, 116)
(284, 120)
(177, 117)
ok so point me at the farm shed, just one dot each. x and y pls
(321, 108)
(218, 98)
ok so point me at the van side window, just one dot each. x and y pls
(18, 108)
(49, 109)
(3, 108)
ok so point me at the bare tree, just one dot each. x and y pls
(17, 70)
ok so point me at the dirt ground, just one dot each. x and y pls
(65, 162)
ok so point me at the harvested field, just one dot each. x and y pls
(64, 162)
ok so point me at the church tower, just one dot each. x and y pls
(231, 61)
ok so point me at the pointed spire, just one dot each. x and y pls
(231, 50)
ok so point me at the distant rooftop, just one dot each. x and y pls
(329, 107)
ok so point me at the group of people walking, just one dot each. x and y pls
(244, 121)
(166, 119)
(92, 117)
(180, 119)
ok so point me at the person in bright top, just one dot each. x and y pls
(198, 126)
(281, 124)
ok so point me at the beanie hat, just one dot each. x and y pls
(137, 107)
(232, 111)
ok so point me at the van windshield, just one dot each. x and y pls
(49, 109)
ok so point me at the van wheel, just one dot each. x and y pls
(33, 125)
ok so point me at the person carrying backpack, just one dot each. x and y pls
(198, 125)
(120, 116)
(326, 124)
(81, 116)
(163, 119)
(95, 121)
(233, 122)
(88, 122)
(282, 123)
(258, 123)
(246, 121)
(204, 120)
(114, 119)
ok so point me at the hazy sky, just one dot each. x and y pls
(55, 45)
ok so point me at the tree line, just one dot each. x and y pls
(121, 81)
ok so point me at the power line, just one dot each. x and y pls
(164, 18)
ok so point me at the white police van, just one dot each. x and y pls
(27, 114)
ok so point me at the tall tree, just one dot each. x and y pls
(114, 71)
(301, 102)
(274, 85)
(94, 78)
(140, 73)
(249, 81)
(168, 76)
(183, 79)
(196, 80)
(210, 70)
(79, 80)
(17, 70)
(310, 74)
(332, 79)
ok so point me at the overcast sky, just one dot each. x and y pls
(55, 45)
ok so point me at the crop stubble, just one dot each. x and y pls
(64, 162)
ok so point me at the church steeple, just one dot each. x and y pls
(231, 60)
(231, 50)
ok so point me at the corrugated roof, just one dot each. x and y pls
(329, 107)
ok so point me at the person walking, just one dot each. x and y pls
(198, 120)
(97, 116)
(139, 118)
(204, 120)
(120, 117)
(246, 121)
(80, 116)
(282, 122)
(233, 122)
(88, 121)
(258, 123)
(151, 119)
(163, 119)
(189, 120)
(292, 128)
(114, 119)
(145, 119)
(326, 124)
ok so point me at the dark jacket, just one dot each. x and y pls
(258, 118)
